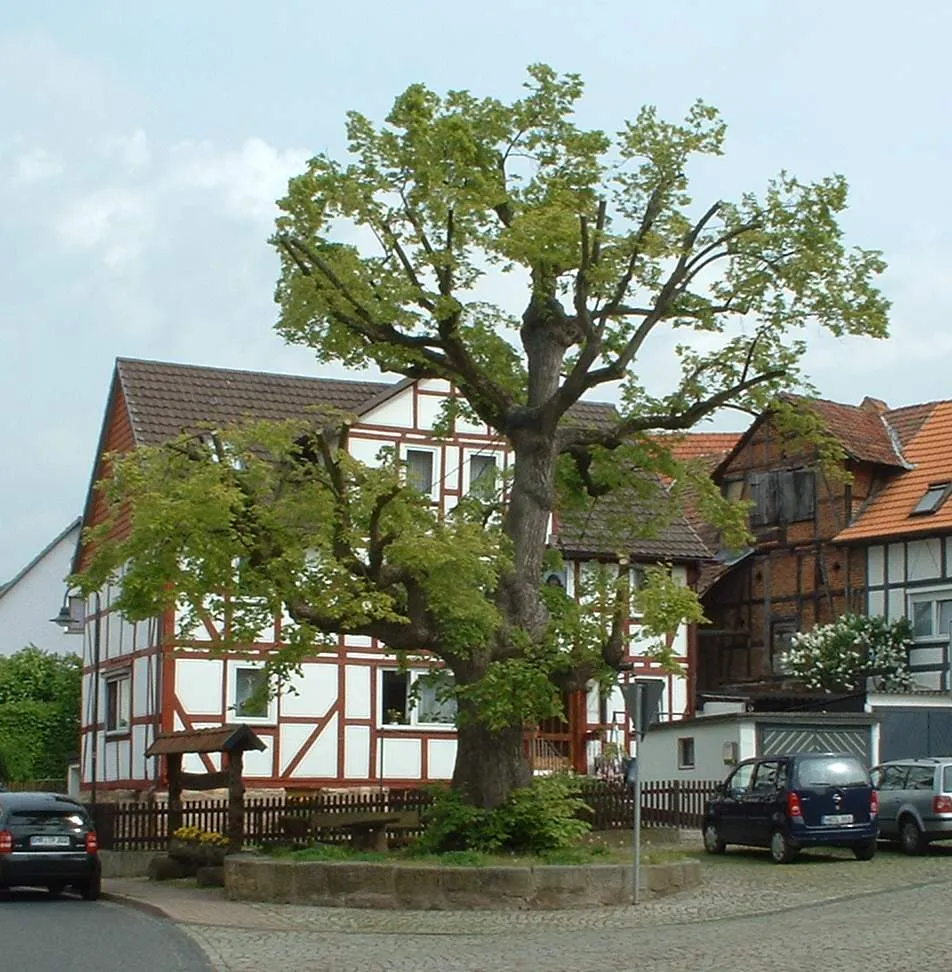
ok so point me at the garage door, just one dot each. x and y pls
(773, 740)
(907, 733)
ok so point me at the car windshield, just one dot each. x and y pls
(832, 771)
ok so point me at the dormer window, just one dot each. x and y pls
(932, 499)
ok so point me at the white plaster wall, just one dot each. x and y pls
(397, 412)
(321, 756)
(364, 450)
(441, 758)
(876, 602)
(924, 558)
(357, 691)
(896, 603)
(259, 764)
(27, 606)
(198, 683)
(428, 410)
(141, 699)
(896, 562)
(658, 751)
(399, 758)
(357, 752)
(316, 690)
(875, 565)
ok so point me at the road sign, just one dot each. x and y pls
(643, 700)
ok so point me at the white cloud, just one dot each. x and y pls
(132, 151)
(249, 179)
(35, 165)
(115, 221)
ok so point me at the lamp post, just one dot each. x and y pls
(72, 622)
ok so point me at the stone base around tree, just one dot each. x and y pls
(252, 877)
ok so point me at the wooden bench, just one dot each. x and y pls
(368, 829)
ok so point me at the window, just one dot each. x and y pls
(931, 616)
(770, 777)
(420, 470)
(782, 631)
(891, 778)
(739, 781)
(118, 703)
(482, 475)
(686, 752)
(920, 778)
(251, 693)
(932, 499)
(417, 698)
(782, 496)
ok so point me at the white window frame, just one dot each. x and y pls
(413, 714)
(436, 472)
(122, 680)
(232, 715)
(931, 595)
(469, 455)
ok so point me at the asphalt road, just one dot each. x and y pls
(42, 934)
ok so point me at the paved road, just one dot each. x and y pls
(41, 934)
(826, 911)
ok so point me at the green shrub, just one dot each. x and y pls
(542, 817)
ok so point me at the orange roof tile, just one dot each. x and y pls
(888, 513)
(700, 445)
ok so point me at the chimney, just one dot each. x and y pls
(876, 405)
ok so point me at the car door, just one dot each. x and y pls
(890, 780)
(732, 811)
(760, 803)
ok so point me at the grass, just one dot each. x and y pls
(592, 849)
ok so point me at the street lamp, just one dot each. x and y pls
(72, 619)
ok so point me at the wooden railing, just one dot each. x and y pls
(144, 826)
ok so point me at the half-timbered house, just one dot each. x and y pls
(347, 719)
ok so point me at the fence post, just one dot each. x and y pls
(676, 792)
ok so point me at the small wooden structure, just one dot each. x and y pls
(232, 741)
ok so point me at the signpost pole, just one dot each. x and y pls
(637, 836)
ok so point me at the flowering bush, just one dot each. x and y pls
(195, 835)
(837, 657)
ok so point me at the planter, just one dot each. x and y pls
(195, 854)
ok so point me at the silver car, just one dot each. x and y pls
(915, 801)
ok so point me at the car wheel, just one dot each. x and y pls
(865, 852)
(56, 888)
(910, 837)
(781, 850)
(90, 889)
(712, 840)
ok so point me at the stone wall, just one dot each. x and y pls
(251, 877)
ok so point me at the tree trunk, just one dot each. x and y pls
(489, 765)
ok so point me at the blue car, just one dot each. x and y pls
(787, 803)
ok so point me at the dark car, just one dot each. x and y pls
(48, 840)
(790, 802)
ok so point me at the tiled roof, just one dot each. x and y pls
(907, 421)
(862, 432)
(165, 400)
(888, 512)
(217, 739)
(709, 446)
(620, 522)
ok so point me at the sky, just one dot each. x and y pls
(142, 147)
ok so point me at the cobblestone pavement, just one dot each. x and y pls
(826, 909)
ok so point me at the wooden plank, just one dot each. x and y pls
(204, 781)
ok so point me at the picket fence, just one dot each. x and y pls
(144, 826)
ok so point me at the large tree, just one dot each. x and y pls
(530, 263)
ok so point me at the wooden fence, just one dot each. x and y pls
(144, 826)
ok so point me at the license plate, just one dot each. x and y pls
(42, 840)
(833, 819)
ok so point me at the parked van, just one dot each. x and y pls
(790, 802)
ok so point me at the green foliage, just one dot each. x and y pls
(388, 258)
(545, 816)
(837, 657)
(39, 713)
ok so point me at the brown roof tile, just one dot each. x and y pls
(708, 446)
(907, 421)
(862, 432)
(888, 512)
(217, 739)
(621, 522)
(166, 400)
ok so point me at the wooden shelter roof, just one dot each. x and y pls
(218, 739)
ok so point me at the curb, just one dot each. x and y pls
(127, 901)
